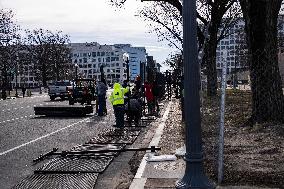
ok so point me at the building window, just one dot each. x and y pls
(117, 64)
(85, 60)
(99, 60)
(75, 61)
(89, 65)
(94, 65)
(112, 59)
(107, 59)
(84, 54)
(103, 53)
(93, 60)
(94, 54)
(98, 54)
(80, 60)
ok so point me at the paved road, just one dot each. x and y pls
(24, 136)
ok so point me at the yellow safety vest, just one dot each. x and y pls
(117, 96)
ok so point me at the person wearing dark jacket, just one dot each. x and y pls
(23, 91)
(134, 110)
(101, 89)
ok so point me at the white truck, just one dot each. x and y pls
(59, 89)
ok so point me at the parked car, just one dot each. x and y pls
(59, 89)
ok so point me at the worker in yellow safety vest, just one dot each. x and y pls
(117, 100)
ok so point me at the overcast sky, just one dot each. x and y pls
(89, 21)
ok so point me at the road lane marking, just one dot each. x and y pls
(44, 136)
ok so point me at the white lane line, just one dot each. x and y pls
(7, 120)
(8, 109)
(15, 108)
(17, 118)
(39, 138)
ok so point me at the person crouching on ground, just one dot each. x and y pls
(117, 100)
(134, 110)
(101, 89)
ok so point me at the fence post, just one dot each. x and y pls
(222, 119)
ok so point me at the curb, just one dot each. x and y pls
(139, 182)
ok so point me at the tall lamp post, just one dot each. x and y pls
(76, 71)
(194, 176)
(126, 60)
(16, 72)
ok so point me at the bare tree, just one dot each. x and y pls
(9, 42)
(50, 52)
(166, 22)
(261, 28)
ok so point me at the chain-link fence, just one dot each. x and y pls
(253, 124)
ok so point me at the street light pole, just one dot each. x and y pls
(16, 80)
(76, 71)
(194, 176)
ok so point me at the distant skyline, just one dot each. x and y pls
(89, 21)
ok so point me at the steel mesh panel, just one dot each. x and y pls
(121, 132)
(58, 181)
(73, 164)
(86, 147)
(113, 140)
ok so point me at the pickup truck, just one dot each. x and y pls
(59, 89)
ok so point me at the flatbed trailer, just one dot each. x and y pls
(63, 110)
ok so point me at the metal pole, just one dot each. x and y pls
(222, 119)
(194, 176)
(16, 81)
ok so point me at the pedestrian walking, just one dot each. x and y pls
(23, 91)
(117, 100)
(135, 110)
(101, 89)
(149, 97)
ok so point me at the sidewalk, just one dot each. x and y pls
(169, 135)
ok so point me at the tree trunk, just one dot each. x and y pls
(210, 60)
(261, 27)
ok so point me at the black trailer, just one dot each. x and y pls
(63, 110)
